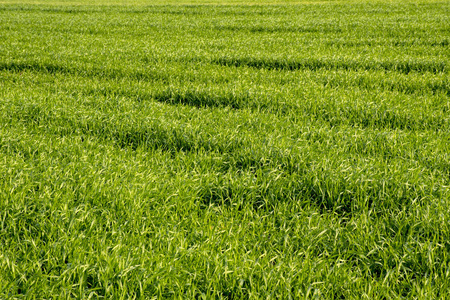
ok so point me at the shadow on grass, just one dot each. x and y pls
(279, 29)
(51, 68)
(313, 64)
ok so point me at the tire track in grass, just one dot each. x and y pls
(370, 115)
(83, 71)
(182, 10)
(175, 95)
(201, 99)
(336, 112)
(436, 42)
(316, 28)
(365, 116)
(331, 75)
(26, 8)
(313, 64)
(408, 84)
(125, 130)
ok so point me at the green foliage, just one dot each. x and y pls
(225, 151)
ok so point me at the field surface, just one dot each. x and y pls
(206, 150)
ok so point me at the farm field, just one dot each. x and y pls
(234, 150)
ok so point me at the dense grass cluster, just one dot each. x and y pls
(225, 151)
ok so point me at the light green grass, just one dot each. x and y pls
(224, 151)
(125, 3)
(170, 2)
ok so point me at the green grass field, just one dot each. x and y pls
(285, 150)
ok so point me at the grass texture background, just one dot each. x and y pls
(285, 150)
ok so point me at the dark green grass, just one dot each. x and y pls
(225, 151)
